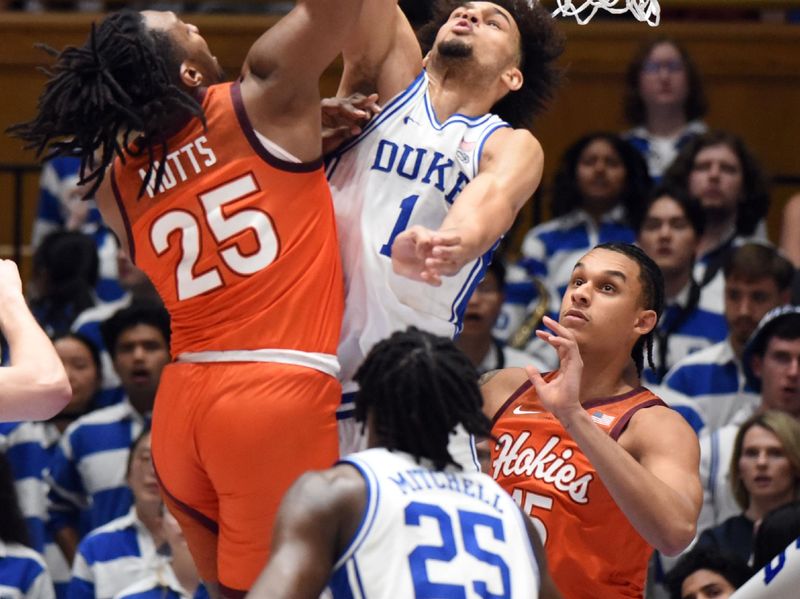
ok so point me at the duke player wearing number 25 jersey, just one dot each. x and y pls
(236, 230)
(425, 192)
(401, 519)
(602, 466)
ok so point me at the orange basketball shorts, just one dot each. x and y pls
(228, 440)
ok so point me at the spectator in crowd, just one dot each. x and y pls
(775, 532)
(669, 233)
(81, 360)
(771, 363)
(137, 289)
(705, 573)
(23, 572)
(125, 550)
(664, 102)
(720, 171)
(598, 192)
(87, 473)
(176, 579)
(63, 280)
(62, 208)
(476, 341)
(709, 387)
(30, 446)
(765, 474)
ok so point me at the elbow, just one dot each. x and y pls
(677, 538)
(52, 395)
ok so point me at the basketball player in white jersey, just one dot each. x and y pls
(426, 191)
(401, 519)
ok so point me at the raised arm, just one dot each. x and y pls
(280, 87)
(383, 54)
(509, 172)
(317, 518)
(652, 472)
(35, 385)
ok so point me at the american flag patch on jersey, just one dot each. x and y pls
(603, 419)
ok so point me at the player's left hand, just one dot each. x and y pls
(412, 252)
(344, 118)
(561, 394)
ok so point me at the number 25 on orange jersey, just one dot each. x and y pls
(222, 227)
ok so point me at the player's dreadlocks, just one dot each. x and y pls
(652, 282)
(121, 83)
(420, 387)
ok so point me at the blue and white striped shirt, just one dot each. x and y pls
(705, 326)
(87, 473)
(709, 387)
(57, 183)
(161, 585)
(23, 573)
(29, 447)
(112, 558)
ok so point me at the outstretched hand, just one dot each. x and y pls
(561, 394)
(425, 255)
(344, 118)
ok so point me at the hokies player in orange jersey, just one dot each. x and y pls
(603, 467)
(217, 190)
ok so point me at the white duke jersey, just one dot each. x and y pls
(406, 168)
(428, 533)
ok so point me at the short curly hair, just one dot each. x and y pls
(541, 43)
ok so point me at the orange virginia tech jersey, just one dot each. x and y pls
(592, 549)
(240, 245)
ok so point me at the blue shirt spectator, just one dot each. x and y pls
(112, 558)
(60, 207)
(23, 573)
(87, 472)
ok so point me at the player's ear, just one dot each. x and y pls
(645, 322)
(512, 78)
(190, 75)
(425, 60)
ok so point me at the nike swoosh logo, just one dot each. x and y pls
(519, 411)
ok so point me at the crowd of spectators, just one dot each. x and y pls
(86, 520)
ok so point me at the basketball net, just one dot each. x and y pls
(644, 10)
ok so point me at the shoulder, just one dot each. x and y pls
(111, 416)
(321, 491)
(104, 533)
(657, 428)
(505, 142)
(22, 554)
(498, 385)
